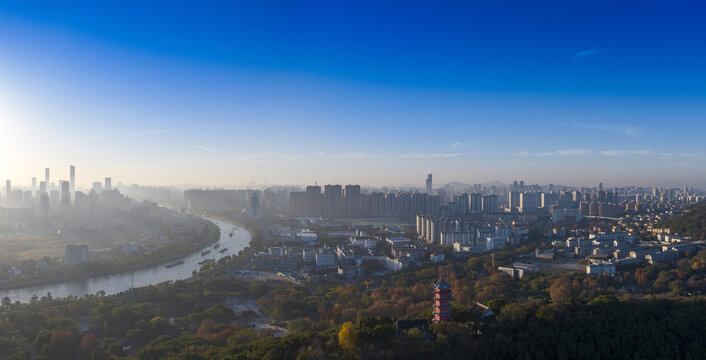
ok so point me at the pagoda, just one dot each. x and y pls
(442, 297)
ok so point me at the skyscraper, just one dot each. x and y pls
(72, 178)
(8, 193)
(46, 180)
(108, 183)
(476, 203)
(351, 200)
(313, 200)
(429, 186)
(490, 204)
(65, 192)
(333, 201)
(514, 200)
(254, 204)
(34, 186)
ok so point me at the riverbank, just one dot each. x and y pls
(145, 277)
(92, 273)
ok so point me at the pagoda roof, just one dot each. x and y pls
(442, 285)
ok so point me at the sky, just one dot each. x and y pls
(375, 93)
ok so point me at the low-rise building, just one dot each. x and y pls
(518, 270)
(395, 264)
(600, 267)
(325, 258)
(662, 256)
(495, 242)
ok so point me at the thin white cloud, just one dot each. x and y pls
(561, 152)
(361, 155)
(246, 157)
(350, 155)
(147, 132)
(585, 54)
(429, 156)
(205, 148)
(614, 153)
(626, 129)
(292, 157)
(456, 145)
(625, 153)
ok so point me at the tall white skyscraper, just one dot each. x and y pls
(46, 180)
(108, 183)
(429, 185)
(34, 186)
(72, 178)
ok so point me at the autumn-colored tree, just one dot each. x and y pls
(560, 290)
(207, 326)
(89, 344)
(348, 336)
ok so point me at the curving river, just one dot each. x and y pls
(116, 283)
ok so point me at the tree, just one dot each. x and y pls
(560, 290)
(375, 329)
(6, 302)
(89, 344)
(348, 336)
(64, 344)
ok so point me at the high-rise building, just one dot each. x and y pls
(514, 199)
(600, 186)
(108, 183)
(43, 208)
(65, 192)
(333, 201)
(43, 187)
(34, 186)
(476, 203)
(351, 201)
(8, 194)
(46, 180)
(429, 185)
(254, 204)
(97, 186)
(27, 199)
(490, 204)
(313, 200)
(464, 204)
(529, 201)
(72, 178)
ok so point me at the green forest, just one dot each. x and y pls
(692, 223)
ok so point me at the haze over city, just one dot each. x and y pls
(235, 93)
(310, 179)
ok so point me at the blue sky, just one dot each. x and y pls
(354, 92)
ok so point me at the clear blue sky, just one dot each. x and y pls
(164, 92)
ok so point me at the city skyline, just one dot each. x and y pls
(262, 94)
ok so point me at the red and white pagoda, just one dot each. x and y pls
(442, 297)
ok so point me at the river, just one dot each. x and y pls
(113, 284)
